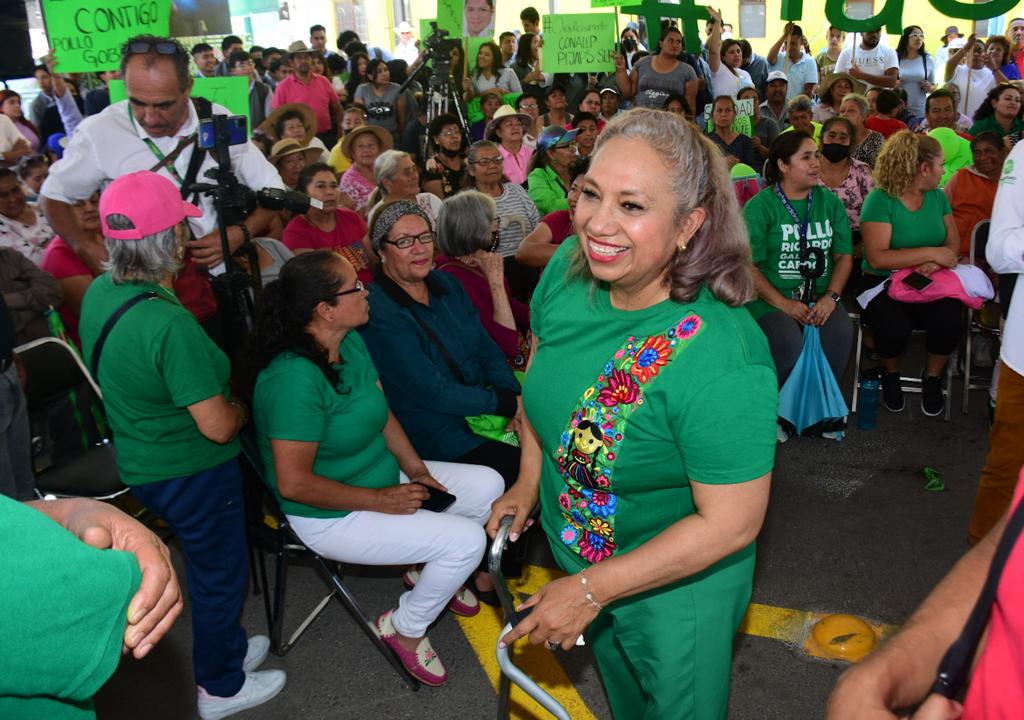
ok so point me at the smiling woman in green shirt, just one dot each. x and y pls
(1000, 112)
(793, 213)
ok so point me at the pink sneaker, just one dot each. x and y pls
(464, 602)
(423, 663)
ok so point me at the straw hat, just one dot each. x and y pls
(308, 120)
(503, 113)
(826, 87)
(383, 137)
(298, 47)
(290, 146)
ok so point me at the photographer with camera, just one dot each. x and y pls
(156, 129)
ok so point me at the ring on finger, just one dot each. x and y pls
(552, 645)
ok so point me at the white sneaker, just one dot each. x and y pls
(258, 688)
(259, 648)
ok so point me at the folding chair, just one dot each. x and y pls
(972, 326)
(909, 384)
(53, 370)
(269, 531)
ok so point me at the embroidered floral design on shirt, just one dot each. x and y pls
(593, 437)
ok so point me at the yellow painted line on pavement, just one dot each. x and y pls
(536, 660)
(794, 626)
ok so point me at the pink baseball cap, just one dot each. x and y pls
(150, 201)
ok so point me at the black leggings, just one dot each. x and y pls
(892, 322)
(496, 455)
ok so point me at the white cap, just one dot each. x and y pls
(777, 75)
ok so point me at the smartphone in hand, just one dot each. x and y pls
(439, 500)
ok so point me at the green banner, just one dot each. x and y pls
(425, 28)
(231, 92)
(87, 35)
(579, 43)
(449, 17)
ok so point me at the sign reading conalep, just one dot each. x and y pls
(579, 43)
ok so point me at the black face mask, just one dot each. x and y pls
(450, 153)
(834, 152)
(628, 45)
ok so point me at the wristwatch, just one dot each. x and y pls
(836, 297)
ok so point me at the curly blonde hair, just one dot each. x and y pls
(718, 255)
(900, 161)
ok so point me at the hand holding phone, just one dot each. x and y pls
(917, 281)
(439, 500)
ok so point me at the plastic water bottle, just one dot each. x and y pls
(867, 406)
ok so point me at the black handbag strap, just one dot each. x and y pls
(448, 358)
(97, 349)
(956, 663)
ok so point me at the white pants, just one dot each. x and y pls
(450, 544)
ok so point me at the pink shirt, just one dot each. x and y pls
(997, 686)
(357, 187)
(318, 94)
(346, 239)
(62, 262)
(516, 165)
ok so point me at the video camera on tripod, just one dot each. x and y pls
(441, 94)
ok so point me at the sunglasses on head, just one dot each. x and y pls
(160, 47)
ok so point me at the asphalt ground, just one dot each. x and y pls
(850, 528)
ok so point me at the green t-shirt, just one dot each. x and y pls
(294, 401)
(156, 362)
(990, 124)
(64, 609)
(775, 240)
(925, 227)
(708, 404)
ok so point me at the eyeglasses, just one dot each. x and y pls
(919, 36)
(358, 287)
(451, 133)
(141, 47)
(406, 241)
(529, 106)
(485, 162)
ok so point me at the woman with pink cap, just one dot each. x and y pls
(165, 388)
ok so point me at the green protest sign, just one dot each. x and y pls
(605, 3)
(87, 35)
(579, 43)
(231, 92)
(449, 17)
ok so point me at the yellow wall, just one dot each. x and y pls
(814, 24)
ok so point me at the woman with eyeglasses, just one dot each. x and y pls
(436, 361)
(468, 236)
(516, 210)
(917, 70)
(446, 167)
(341, 465)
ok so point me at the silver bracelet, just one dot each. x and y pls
(587, 594)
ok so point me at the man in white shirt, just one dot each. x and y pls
(138, 134)
(799, 67)
(406, 47)
(871, 63)
(1005, 255)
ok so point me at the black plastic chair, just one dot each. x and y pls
(53, 370)
(270, 532)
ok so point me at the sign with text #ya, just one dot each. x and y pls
(579, 43)
(87, 35)
(231, 92)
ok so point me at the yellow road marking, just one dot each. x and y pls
(767, 621)
(537, 661)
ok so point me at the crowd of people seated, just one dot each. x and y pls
(394, 319)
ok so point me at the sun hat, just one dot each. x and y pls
(554, 136)
(290, 146)
(951, 30)
(776, 75)
(504, 113)
(383, 137)
(403, 27)
(298, 47)
(152, 202)
(826, 86)
(308, 120)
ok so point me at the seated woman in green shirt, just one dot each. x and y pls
(1000, 112)
(907, 223)
(793, 213)
(342, 468)
(549, 179)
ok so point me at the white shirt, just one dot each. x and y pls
(506, 81)
(9, 134)
(981, 81)
(407, 51)
(1005, 251)
(724, 82)
(109, 144)
(874, 61)
(801, 73)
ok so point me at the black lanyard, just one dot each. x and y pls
(812, 259)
